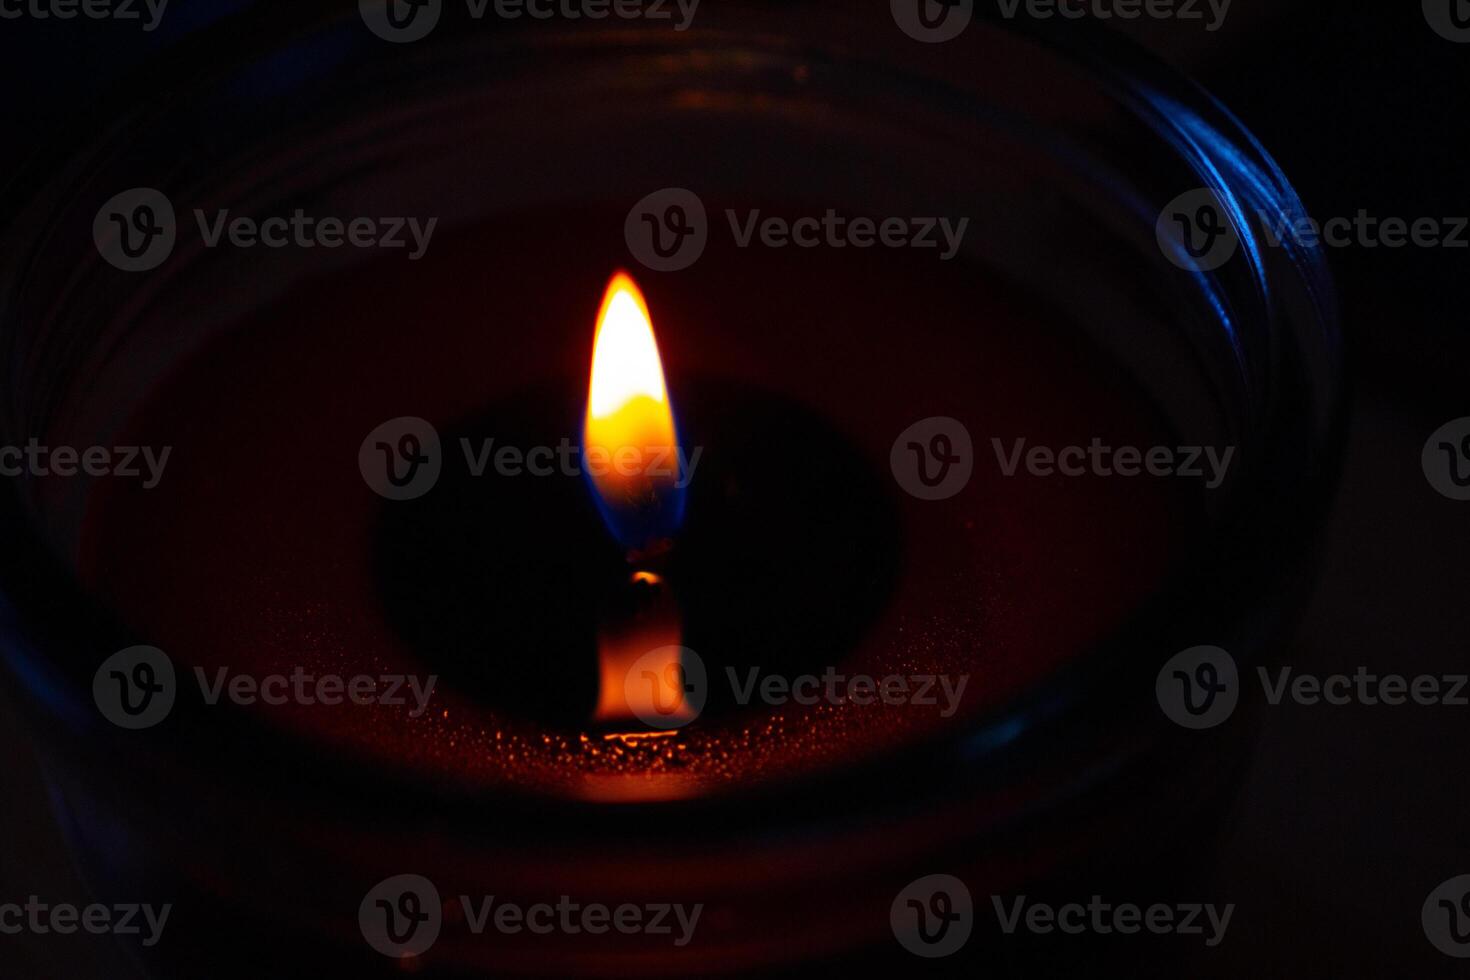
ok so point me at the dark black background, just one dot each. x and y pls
(1349, 816)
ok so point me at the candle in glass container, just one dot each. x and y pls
(797, 552)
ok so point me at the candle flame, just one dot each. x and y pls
(627, 375)
(628, 437)
(631, 450)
